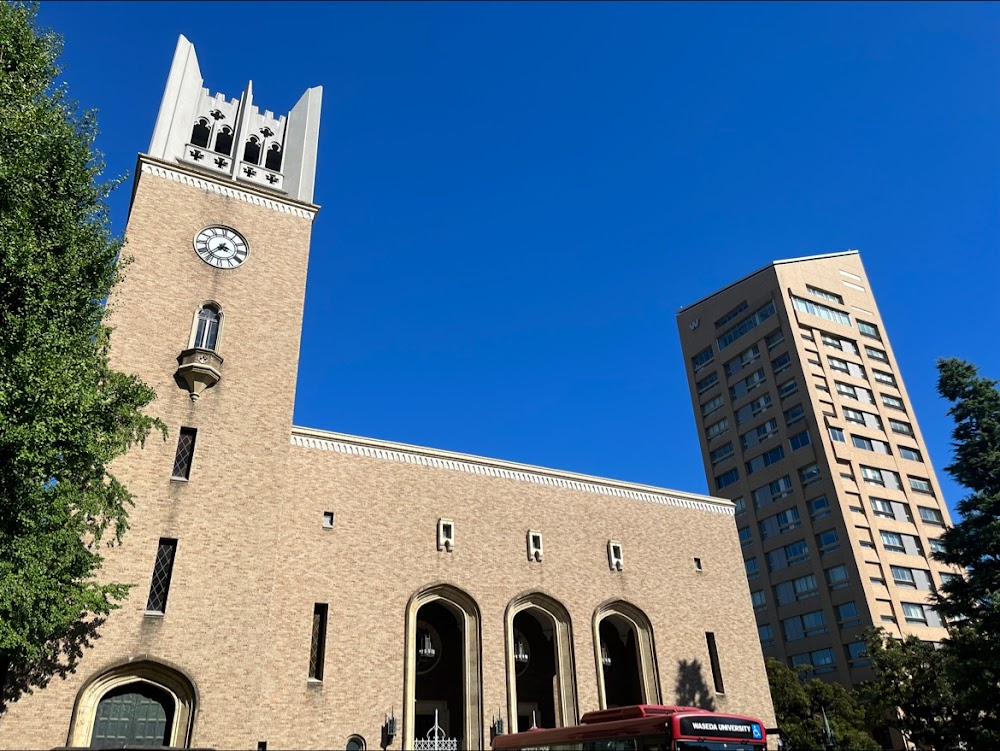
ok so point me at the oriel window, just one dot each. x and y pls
(206, 334)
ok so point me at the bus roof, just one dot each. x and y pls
(642, 719)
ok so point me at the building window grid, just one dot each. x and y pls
(824, 295)
(819, 508)
(838, 577)
(877, 354)
(788, 388)
(893, 402)
(744, 359)
(838, 342)
(828, 541)
(822, 311)
(731, 314)
(746, 325)
(802, 588)
(703, 358)
(781, 363)
(914, 613)
(930, 516)
(799, 440)
(821, 660)
(903, 577)
(721, 454)
(717, 428)
(869, 329)
(848, 615)
(804, 626)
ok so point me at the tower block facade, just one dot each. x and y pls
(806, 425)
(299, 588)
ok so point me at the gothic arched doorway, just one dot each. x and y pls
(142, 703)
(443, 683)
(541, 690)
(136, 714)
(626, 665)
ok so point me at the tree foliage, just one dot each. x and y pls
(915, 690)
(800, 704)
(972, 602)
(64, 413)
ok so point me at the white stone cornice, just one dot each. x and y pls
(400, 452)
(205, 183)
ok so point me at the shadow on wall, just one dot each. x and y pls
(60, 660)
(691, 689)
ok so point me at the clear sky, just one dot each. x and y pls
(517, 198)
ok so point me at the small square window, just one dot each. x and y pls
(446, 535)
(327, 520)
(535, 552)
(616, 560)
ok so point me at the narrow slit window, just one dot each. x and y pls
(327, 520)
(317, 649)
(698, 565)
(184, 455)
(163, 568)
(713, 656)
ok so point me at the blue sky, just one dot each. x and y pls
(517, 198)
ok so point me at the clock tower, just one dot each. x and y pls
(209, 314)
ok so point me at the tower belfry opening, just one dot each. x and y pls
(232, 138)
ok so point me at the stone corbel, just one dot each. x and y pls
(199, 370)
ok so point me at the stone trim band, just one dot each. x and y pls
(202, 183)
(343, 444)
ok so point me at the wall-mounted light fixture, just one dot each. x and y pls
(389, 729)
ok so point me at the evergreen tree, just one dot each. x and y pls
(64, 413)
(972, 602)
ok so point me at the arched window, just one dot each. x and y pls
(443, 678)
(251, 153)
(273, 160)
(224, 141)
(207, 323)
(201, 132)
(355, 743)
(141, 703)
(541, 685)
(626, 664)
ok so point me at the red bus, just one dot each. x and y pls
(645, 727)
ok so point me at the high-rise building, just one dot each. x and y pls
(307, 589)
(805, 424)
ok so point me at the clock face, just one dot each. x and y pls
(221, 247)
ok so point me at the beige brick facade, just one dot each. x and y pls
(233, 646)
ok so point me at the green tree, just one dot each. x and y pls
(801, 702)
(64, 413)
(972, 602)
(916, 690)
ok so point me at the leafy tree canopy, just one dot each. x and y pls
(800, 704)
(64, 413)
